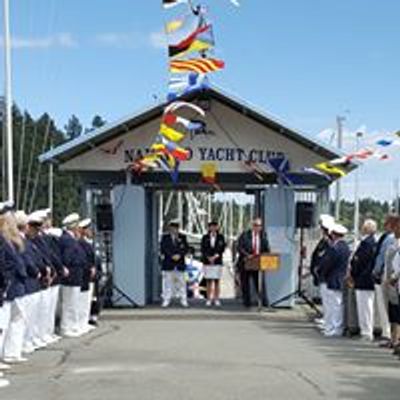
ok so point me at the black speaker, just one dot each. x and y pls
(304, 214)
(104, 217)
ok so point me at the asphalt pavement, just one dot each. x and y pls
(195, 354)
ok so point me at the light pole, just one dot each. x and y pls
(8, 100)
(356, 192)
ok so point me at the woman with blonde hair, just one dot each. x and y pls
(13, 336)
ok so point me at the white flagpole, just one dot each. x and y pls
(8, 100)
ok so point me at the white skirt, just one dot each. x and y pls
(213, 272)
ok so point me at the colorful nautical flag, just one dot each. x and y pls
(199, 65)
(200, 40)
(281, 166)
(173, 3)
(330, 169)
(171, 133)
(209, 173)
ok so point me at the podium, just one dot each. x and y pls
(262, 264)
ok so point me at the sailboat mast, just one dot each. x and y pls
(8, 100)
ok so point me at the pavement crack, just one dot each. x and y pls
(311, 383)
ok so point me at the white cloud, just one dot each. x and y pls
(158, 40)
(59, 40)
(131, 40)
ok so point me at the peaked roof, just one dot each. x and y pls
(85, 142)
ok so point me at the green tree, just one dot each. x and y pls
(74, 128)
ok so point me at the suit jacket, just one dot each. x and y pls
(362, 264)
(208, 251)
(13, 258)
(5, 270)
(334, 265)
(33, 265)
(169, 249)
(74, 258)
(89, 251)
(317, 258)
(245, 246)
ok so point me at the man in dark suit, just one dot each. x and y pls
(173, 248)
(361, 272)
(251, 244)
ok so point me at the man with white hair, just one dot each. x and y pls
(333, 271)
(362, 265)
(74, 258)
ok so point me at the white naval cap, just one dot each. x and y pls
(339, 229)
(21, 217)
(36, 218)
(71, 220)
(46, 212)
(85, 223)
(57, 232)
(326, 221)
(6, 206)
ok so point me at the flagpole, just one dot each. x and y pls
(356, 193)
(339, 121)
(8, 100)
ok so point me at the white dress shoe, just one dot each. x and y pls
(184, 304)
(28, 348)
(4, 367)
(4, 383)
(165, 304)
(15, 360)
(72, 334)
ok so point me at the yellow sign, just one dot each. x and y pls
(270, 262)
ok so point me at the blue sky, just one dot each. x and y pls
(304, 61)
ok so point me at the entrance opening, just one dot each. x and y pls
(194, 210)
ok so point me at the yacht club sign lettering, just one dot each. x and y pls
(221, 154)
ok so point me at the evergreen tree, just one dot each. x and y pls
(74, 128)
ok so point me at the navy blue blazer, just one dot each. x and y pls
(362, 264)
(90, 263)
(33, 263)
(54, 254)
(5, 270)
(317, 259)
(15, 261)
(74, 258)
(334, 265)
(169, 249)
(208, 251)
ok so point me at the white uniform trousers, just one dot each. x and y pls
(85, 303)
(365, 312)
(5, 314)
(15, 334)
(382, 306)
(70, 309)
(44, 316)
(31, 312)
(322, 290)
(173, 285)
(334, 313)
(54, 296)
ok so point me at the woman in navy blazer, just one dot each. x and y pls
(212, 249)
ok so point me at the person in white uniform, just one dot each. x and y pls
(75, 260)
(333, 272)
(173, 249)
